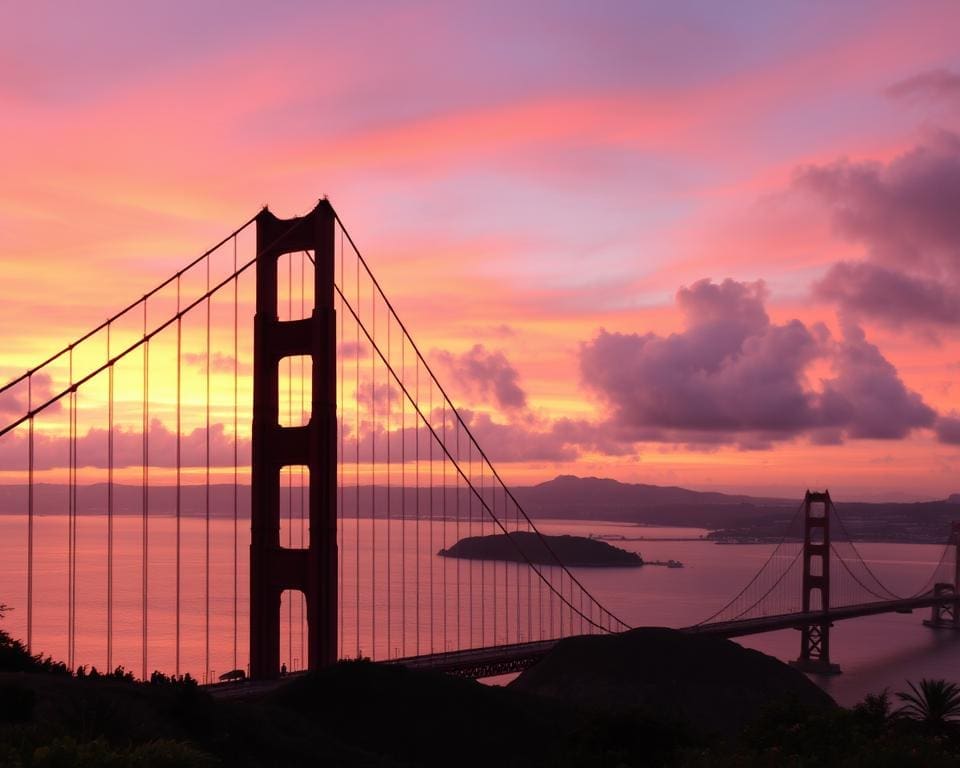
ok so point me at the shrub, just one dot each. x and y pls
(16, 702)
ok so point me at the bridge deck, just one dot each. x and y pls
(506, 659)
(516, 657)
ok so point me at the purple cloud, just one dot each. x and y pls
(51, 451)
(348, 350)
(524, 440)
(15, 401)
(948, 429)
(733, 376)
(871, 290)
(940, 84)
(486, 375)
(905, 215)
(867, 398)
(378, 398)
(219, 362)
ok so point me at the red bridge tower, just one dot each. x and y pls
(946, 615)
(815, 637)
(273, 568)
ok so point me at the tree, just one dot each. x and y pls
(934, 702)
(875, 708)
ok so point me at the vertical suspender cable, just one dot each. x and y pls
(389, 490)
(516, 529)
(471, 641)
(529, 594)
(356, 473)
(178, 495)
(483, 568)
(552, 600)
(540, 603)
(416, 437)
(506, 571)
(373, 476)
(563, 606)
(206, 528)
(456, 462)
(403, 501)
(289, 470)
(71, 527)
(145, 508)
(431, 550)
(30, 514)
(581, 610)
(109, 509)
(443, 535)
(341, 457)
(236, 442)
(493, 501)
(73, 499)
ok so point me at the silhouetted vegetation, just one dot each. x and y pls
(935, 703)
(14, 657)
(16, 702)
(359, 713)
(867, 735)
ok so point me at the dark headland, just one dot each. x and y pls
(523, 546)
(711, 684)
(650, 697)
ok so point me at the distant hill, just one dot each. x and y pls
(587, 498)
(731, 516)
(594, 498)
(586, 490)
(737, 517)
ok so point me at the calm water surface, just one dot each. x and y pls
(411, 601)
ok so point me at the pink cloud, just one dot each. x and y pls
(487, 375)
(938, 84)
(15, 401)
(733, 376)
(52, 451)
(904, 214)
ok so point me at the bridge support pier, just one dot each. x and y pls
(273, 568)
(946, 615)
(815, 637)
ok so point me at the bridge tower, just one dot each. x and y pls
(946, 615)
(273, 568)
(815, 637)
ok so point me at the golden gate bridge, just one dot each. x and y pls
(182, 494)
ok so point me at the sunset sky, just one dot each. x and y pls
(707, 244)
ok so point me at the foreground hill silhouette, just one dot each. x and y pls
(711, 683)
(363, 715)
(523, 546)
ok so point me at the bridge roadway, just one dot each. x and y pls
(516, 657)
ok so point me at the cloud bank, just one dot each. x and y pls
(734, 377)
(486, 375)
(905, 215)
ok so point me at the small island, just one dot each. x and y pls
(523, 546)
